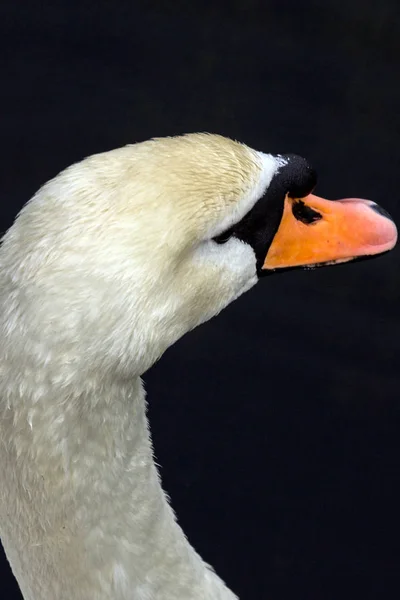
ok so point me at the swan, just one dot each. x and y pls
(109, 264)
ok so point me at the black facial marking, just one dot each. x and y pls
(381, 211)
(300, 178)
(258, 228)
(305, 213)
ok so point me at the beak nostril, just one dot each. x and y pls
(381, 211)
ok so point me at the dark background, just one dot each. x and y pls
(276, 424)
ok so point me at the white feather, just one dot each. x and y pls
(108, 265)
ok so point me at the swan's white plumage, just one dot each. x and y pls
(109, 264)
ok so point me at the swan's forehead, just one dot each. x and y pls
(196, 181)
(202, 165)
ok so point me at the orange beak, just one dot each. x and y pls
(315, 231)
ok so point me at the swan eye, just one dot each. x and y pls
(305, 213)
(223, 237)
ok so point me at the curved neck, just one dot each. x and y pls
(93, 520)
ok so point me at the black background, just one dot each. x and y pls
(276, 424)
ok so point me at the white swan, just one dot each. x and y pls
(109, 264)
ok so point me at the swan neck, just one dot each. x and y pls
(93, 518)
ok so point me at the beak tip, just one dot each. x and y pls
(379, 229)
(386, 227)
(380, 211)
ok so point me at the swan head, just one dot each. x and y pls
(121, 254)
